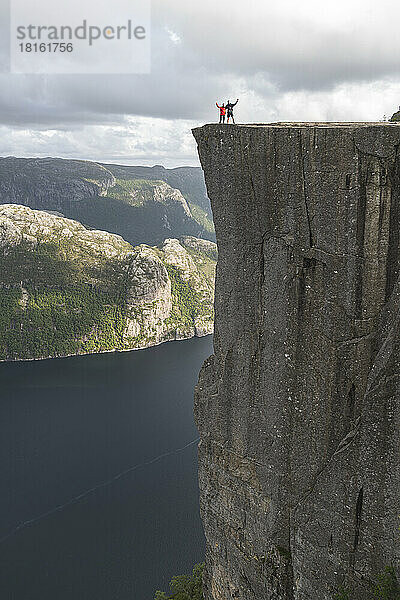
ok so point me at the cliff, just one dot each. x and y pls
(142, 204)
(65, 289)
(298, 408)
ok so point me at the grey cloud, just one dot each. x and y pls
(203, 52)
(296, 50)
(272, 53)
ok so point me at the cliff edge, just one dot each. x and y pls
(298, 408)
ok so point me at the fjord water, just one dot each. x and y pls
(69, 425)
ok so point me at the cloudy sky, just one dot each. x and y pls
(284, 60)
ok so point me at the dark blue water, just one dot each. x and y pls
(68, 425)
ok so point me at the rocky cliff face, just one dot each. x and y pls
(65, 289)
(143, 204)
(50, 183)
(298, 408)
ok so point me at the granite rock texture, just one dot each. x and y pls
(298, 408)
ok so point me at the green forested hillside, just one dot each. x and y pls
(65, 289)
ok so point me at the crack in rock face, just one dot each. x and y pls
(298, 408)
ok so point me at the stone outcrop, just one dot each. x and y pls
(65, 289)
(298, 408)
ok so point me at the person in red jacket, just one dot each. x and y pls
(222, 112)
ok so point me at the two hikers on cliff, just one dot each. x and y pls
(226, 109)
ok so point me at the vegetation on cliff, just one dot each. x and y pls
(385, 587)
(67, 290)
(185, 587)
(395, 116)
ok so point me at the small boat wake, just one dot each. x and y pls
(99, 486)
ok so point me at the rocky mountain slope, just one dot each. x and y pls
(143, 204)
(298, 409)
(188, 180)
(65, 289)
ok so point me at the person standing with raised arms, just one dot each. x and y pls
(229, 108)
(222, 112)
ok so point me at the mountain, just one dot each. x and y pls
(299, 408)
(143, 204)
(188, 180)
(66, 289)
